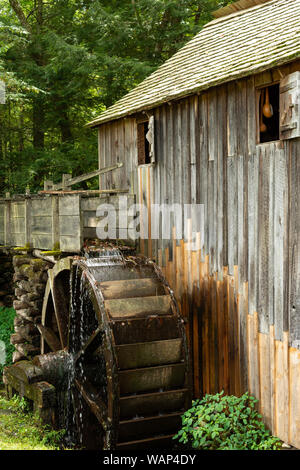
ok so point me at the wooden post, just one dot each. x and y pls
(65, 178)
(48, 185)
(71, 223)
(7, 218)
(55, 222)
(28, 224)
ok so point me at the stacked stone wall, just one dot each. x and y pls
(30, 277)
(6, 279)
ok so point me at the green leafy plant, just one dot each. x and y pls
(221, 422)
(7, 316)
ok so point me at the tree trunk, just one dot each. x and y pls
(65, 127)
(63, 121)
(21, 130)
(38, 124)
(20, 14)
(1, 136)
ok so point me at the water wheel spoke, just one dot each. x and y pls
(60, 303)
(91, 344)
(96, 405)
(50, 337)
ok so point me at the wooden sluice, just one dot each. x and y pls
(52, 222)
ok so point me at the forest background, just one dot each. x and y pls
(65, 61)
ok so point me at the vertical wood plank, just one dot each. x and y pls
(280, 230)
(212, 127)
(232, 338)
(272, 378)
(195, 329)
(271, 254)
(252, 119)
(265, 379)
(263, 239)
(253, 170)
(294, 386)
(221, 196)
(204, 170)
(243, 349)
(193, 147)
(282, 388)
(253, 366)
(232, 119)
(211, 223)
(241, 247)
(232, 204)
(220, 334)
(226, 331)
(294, 245)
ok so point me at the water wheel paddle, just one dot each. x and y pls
(113, 339)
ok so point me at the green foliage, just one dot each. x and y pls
(220, 422)
(50, 164)
(20, 429)
(7, 316)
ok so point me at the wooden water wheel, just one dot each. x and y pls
(118, 323)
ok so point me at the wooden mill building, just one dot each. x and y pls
(223, 115)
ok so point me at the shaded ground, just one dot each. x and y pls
(21, 430)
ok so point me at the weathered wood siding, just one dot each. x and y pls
(2, 224)
(64, 221)
(91, 218)
(240, 290)
(29, 220)
(44, 232)
(117, 144)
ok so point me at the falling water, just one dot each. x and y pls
(79, 331)
(105, 258)
(66, 414)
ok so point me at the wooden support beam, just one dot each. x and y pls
(93, 192)
(69, 181)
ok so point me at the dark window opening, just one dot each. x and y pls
(143, 144)
(269, 114)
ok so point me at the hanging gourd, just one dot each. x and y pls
(262, 126)
(267, 108)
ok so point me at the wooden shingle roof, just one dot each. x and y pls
(230, 47)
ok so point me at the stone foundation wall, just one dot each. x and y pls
(6, 279)
(30, 277)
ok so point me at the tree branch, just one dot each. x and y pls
(40, 7)
(198, 13)
(137, 14)
(31, 13)
(20, 14)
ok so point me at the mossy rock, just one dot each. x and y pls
(20, 260)
(34, 276)
(25, 269)
(38, 264)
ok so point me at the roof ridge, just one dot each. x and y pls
(243, 12)
(236, 5)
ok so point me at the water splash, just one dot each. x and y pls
(83, 369)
